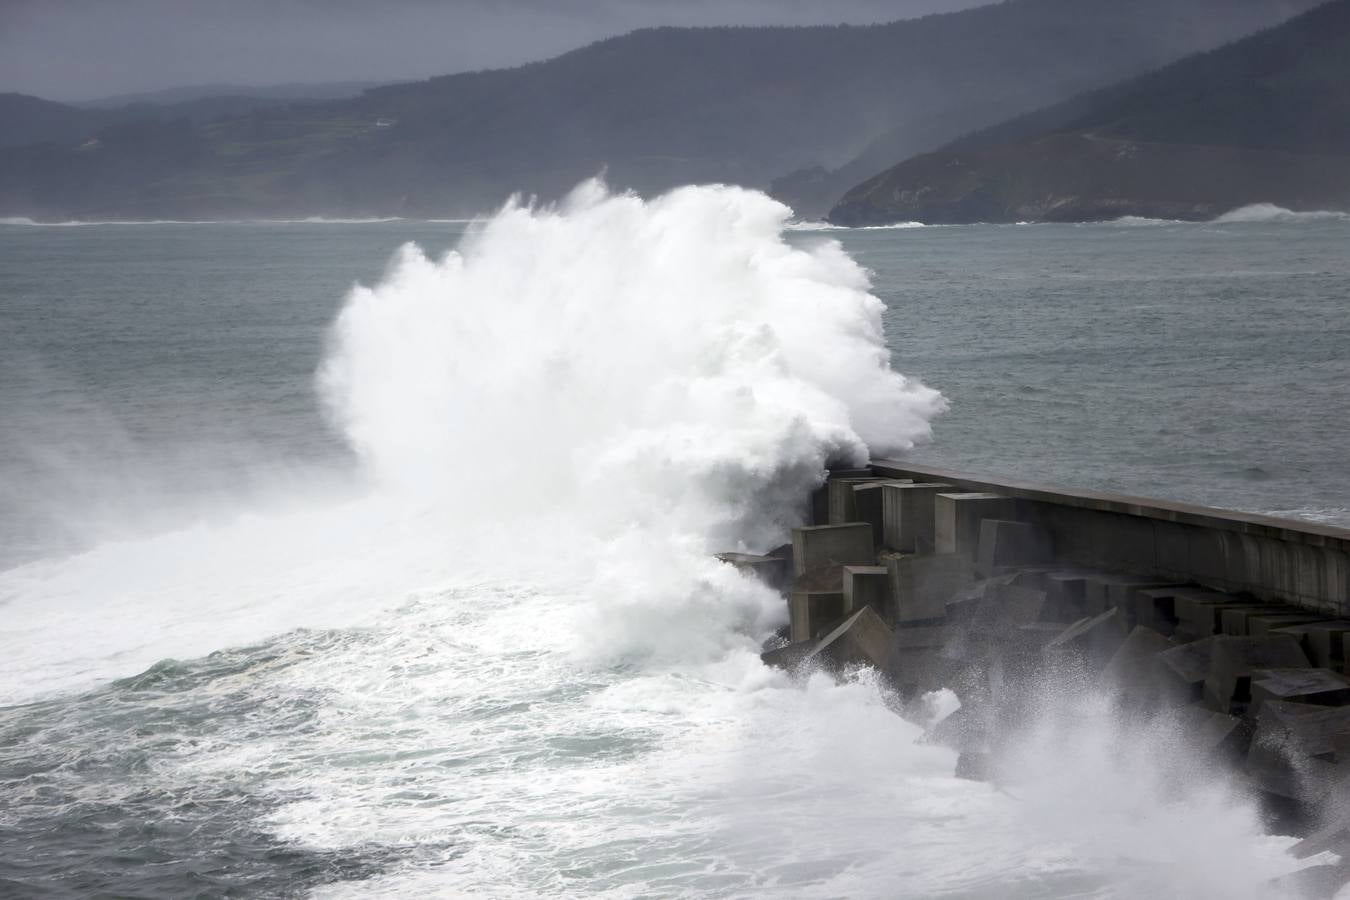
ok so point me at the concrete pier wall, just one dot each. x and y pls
(1304, 564)
(1230, 630)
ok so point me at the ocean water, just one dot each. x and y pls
(405, 589)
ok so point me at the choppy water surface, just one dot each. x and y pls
(415, 600)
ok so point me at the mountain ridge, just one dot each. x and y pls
(654, 108)
(1265, 119)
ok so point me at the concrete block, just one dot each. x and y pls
(957, 518)
(813, 613)
(1199, 612)
(820, 505)
(994, 608)
(867, 586)
(1064, 590)
(819, 547)
(1134, 666)
(1182, 671)
(907, 513)
(1233, 619)
(1319, 686)
(1232, 660)
(1262, 625)
(1215, 733)
(787, 656)
(1293, 747)
(1326, 642)
(1102, 592)
(1004, 543)
(842, 500)
(861, 639)
(850, 472)
(1153, 607)
(921, 637)
(1036, 635)
(915, 662)
(774, 571)
(922, 585)
(1090, 641)
(1334, 836)
(867, 508)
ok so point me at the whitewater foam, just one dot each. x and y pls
(813, 225)
(1269, 212)
(520, 671)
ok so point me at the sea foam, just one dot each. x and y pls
(527, 676)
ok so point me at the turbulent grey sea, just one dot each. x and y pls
(405, 627)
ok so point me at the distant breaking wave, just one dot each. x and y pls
(827, 226)
(1143, 221)
(1269, 212)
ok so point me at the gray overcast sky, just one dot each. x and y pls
(82, 49)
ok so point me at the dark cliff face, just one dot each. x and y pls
(1265, 120)
(655, 108)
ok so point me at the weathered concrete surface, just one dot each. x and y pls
(1090, 642)
(957, 518)
(1318, 686)
(867, 586)
(1326, 642)
(861, 639)
(1304, 563)
(1291, 751)
(920, 586)
(1134, 666)
(1153, 608)
(1261, 626)
(1213, 732)
(812, 612)
(1004, 543)
(1200, 613)
(1233, 621)
(907, 515)
(1232, 660)
(1182, 672)
(1101, 592)
(817, 547)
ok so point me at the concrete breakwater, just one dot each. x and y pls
(1233, 627)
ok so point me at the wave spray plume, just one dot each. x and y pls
(554, 689)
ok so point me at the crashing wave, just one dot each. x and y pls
(1269, 212)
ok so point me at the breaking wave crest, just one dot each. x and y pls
(1269, 212)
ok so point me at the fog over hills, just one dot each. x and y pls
(655, 108)
(1264, 120)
